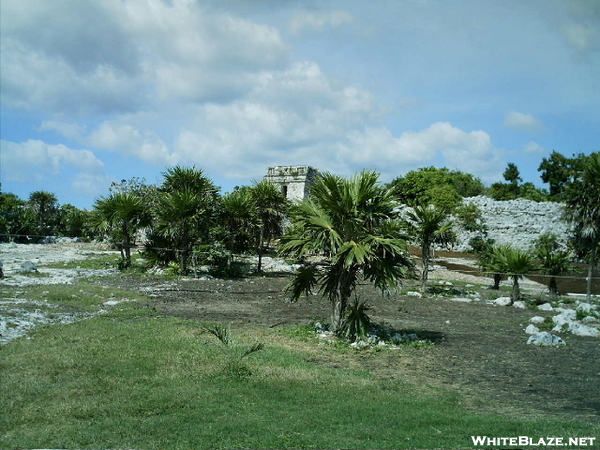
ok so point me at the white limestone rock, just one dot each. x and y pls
(537, 320)
(532, 329)
(502, 301)
(545, 339)
(545, 307)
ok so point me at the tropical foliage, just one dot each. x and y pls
(119, 216)
(429, 225)
(350, 223)
(582, 209)
(431, 185)
(513, 263)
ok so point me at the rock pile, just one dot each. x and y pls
(516, 222)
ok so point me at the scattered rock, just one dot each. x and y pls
(545, 307)
(414, 294)
(537, 320)
(461, 299)
(545, 339)
(520, 305)
(28, 267)
(532, 329)
(583, 330)
(502, 301)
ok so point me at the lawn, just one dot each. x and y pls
(134, 379)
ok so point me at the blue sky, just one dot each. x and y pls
(98, 91)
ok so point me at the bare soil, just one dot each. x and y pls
(480, 350)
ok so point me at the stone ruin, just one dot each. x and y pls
(294, 181)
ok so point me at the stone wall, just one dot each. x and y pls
(517, 222)
(295, 181)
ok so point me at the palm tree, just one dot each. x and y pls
(238, 218)
(180, 215)
(582, 209)
(186, 209)
(430, 225)
(44, 204)
(554, 263)
(350, 223)
(514, 263)
(121, 215)
(270, 206)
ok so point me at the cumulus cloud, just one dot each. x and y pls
(521, 121)
(306, 21)
(115, 57)
(36, 159)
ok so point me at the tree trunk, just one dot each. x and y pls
(260, 248)
(553, 288)
(588, 290)
(425, 259)
(497, 280)
(126, 245)
(340, 303)
(515, 294)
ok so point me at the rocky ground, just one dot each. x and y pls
(479, 347)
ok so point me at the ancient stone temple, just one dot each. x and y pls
(294, 181)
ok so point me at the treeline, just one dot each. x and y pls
(445, 188)
(185, 217)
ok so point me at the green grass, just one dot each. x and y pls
(158, 383)
(94, 261)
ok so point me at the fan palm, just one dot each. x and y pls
(44, 204)
(350, 222)
(582, 208)
(554, 263)
(121, 215)
(430, 225)
(270, 205)
(514, 263)
(180, 214)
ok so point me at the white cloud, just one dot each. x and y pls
(521, 121)
(128, 140)
(306, 21)
(534, 148)
(115, 56)
(37, 160)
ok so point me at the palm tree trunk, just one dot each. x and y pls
(553, 288)
(260, 248)
(588, 290)
(425, 259)
(515, 294)
(126, 250)
(340, 303)
(497, 280)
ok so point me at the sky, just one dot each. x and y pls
(97, 91)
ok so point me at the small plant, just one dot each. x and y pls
(357, 323)
(235, 353)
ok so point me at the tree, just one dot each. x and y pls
(554, 263)
(558, 171)
(514, 263)
(121, 215)
(186, 210)
(238, 220)
(582, 209)
(351, 224)
(15, 217)
(512, 174)
(44, 205)
(440, 187)
(430, 225)
(270, 205)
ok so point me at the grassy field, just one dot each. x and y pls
(130, 379)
